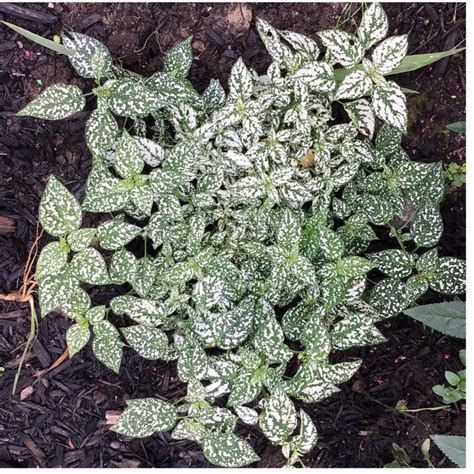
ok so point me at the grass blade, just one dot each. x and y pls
(59, 48)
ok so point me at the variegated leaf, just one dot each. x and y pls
(142, 311)
(52, 259)
(362, 114)
(389, 104)
(373, 26)
(80, 239)
(389, 54)
(318, 76)
(128, 159)
(427, 227)
(355, 85)
(150, 342)
(122, 267)
(394, 263)
(77, 337)
(107, 346)
(388, 297)
(307, 438)
(89, 57)
(89, 267)
(130, 98)
(240, 82)
(248, 415)
(228, 450)
(101, 131)
(345, 48)
(278, 419)
(116, 233)
(59, 211)
(54, 103)
(144, 416)
(450, 276)
(178, 59)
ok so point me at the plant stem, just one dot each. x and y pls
(416, 410)
(31, 336)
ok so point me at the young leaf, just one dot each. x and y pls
(355, 85)
(144, 416)
(178, 59)
(101, 131)
(240, 82)
(344, 47)
(389, 104)
(388, 55)
(59, 211)
(80, 239)
(128, 159)
(56, 102)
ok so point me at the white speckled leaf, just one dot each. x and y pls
(427, 226)
(142, 311)
(122, 267)
(450, 276)
(394, 262)
(388, 139)
(144, 276)
(95, 314)
(318, 76)
(192, 361)
(172, 90)
(345, 48)
(54, 103)
(128, 159)
(150, 343)
(355, 85)
(278, 420)
(59, 211)
(107, 346)
(301, 43)
(388, 297)
(178, 59)
(77, 336)
(80, 239)
(52, 259)
(240, 82)
(142, 198)
(101, 131)
(144, 416)
(151, 152)
(89, 57)
(307, 438)
(362, 115)
(89, 267)
(116, 233)
(389, 54)
(389, 104)
(228, 450)
(373, 26)
(248, 415)
(214, 96)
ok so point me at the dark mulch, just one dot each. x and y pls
(61, 420)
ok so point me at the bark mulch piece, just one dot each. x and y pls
(60, 420)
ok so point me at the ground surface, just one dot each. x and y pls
(61, 420)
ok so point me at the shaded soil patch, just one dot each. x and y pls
(61, 420)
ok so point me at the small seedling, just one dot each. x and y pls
(456, 390)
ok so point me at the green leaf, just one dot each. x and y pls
(171, 90)
(389, 104)
(52, 259)
(59, 48)
(116, 233)
(178, 59)
(59, 211)
(373, 26)
(107, 346)
(388, 139)
(101, 131)
(448, 317)
(452, 378)
(318, 76)
(458, 127)
(77, 304)
(144, 416)
(330, 243)
(150, 343)
(142, 198)
(248, 415)
(95, 314)
(213, 97)
(353, 266)
(454, 447)
(394, 262)
(80, 239)
(377, 209)
(278, 419)
(294, 320)
(89, 57)
(89, 267)
(450, 276)
(427, 227)
(388, 55)
(77, 336)
(56, 102)
(228, 450)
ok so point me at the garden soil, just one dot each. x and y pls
(61, 419)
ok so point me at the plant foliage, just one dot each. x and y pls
(241, 225)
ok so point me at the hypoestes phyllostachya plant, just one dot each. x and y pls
(259, 209)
